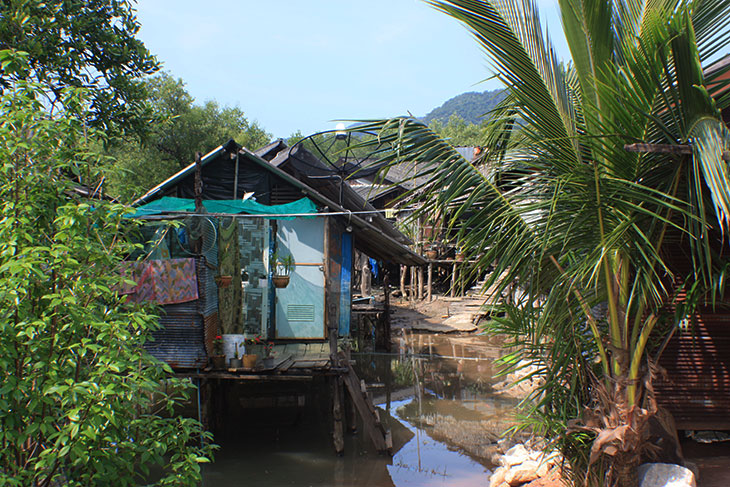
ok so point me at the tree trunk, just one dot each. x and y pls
(625, 467)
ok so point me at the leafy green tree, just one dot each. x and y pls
(182, 129)
(81, 402)
(586, 228)
(458, 132)
(472, 107)
(89, 44)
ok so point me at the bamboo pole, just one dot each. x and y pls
(429, 286)
(403, 281)
(413, 283)
(453, 280)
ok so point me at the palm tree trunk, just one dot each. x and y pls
(625, 467)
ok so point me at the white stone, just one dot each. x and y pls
(665, 475)
(543, 469)
(497, 477)
(514, 456)
(522, 473)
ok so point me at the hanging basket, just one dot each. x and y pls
(280, 281)
(223, 281)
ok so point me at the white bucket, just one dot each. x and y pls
(229, 345)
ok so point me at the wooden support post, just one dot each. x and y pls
(453, 280)
(348, 404)
(429, 286)
(365, 276)
(368, 413)
(403, 281)
(386, 311)
(337, 414)
(413, 283)
(420, 283)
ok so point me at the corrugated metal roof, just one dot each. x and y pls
(179, 176)
(374, 234)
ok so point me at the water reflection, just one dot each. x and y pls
(435, 396)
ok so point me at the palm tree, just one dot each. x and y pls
(586, 227)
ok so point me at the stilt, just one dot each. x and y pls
(365, 276)
(420, 283)
(413, 283)
(429, 285)
(369, 415)
(403, 281)
(386, 311)
(350, 421)
(338, 437)
(453, 280)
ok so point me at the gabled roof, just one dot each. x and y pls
(374, 234)
(301, 163)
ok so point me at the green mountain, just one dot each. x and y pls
(469, 106)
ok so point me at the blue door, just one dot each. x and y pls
(300, 305)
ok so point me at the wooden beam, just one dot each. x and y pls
(370, 419)
(667, 149)
(338, 437)
(659, 148)
(430, 281)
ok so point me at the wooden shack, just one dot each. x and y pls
(236, 212)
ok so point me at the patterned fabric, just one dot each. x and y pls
(168, 281)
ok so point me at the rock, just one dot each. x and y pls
(522, 473)
(497, 477)
(665, 475)
(514, 456)
(543, 469)
(495, 458)
(695, 469)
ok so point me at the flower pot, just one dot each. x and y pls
(235, 363)
(249, 361)
(223, 281)
(218, 362)
(268, 362)
(280, 281)
(233, 345)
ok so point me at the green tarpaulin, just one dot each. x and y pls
(169, 204)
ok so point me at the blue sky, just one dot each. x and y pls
(298, 64)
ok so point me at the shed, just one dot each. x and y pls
(249, 211)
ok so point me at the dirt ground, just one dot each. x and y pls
(713, 461)
(441, 315)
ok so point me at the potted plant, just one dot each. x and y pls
(223, 281)
(268, 359)
(218, 359)
(249, 359)
(432, 253)
(235, 362)
(282, 265)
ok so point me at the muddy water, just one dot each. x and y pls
(435, 395)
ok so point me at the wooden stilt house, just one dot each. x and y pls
(239, 213)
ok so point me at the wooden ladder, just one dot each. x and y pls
(379, 434)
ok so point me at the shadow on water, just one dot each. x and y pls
(434, 394)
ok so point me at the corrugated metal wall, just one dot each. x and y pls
(186, 328)
(696, 388)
